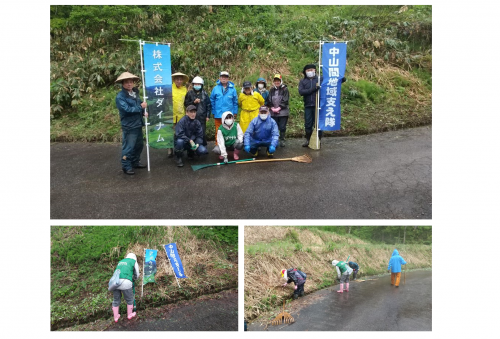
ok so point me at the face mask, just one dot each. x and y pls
(310, 74)
(197, 87)
(261, 86)
(229, 122)
(263, 116)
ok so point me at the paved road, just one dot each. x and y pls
(202, 315)
(378, 176)
(372, 305)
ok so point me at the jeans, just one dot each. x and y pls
(132, 145)
(181, 145)
(281, 121)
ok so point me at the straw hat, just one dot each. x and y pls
(126, 75)
(186, 78)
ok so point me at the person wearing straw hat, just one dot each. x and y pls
(189, 136)
(278, 103)
(229, 138)
(262, 132)
(250, 102)
(179, 91)
(395, 267)
(129, 271)
(343, 272)
(299, 279)
(198, 97)
(131, 111)
(223, 98)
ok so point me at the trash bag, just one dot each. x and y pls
(114, 282)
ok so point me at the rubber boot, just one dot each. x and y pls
(308, 137)
(116, 313)
(341, 290)
(221, 157)
(130, 313)
(346, 287)
(235, 155)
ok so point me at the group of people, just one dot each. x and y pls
(344, 269)
(193, 107)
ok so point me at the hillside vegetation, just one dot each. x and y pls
(389, 67)
(83, 259)
(269, 249)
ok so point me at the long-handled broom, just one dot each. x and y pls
(197, 167)
(302, 158)
(283, 317)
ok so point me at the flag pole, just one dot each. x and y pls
(146, 100)
(171, 266)
(142, 292)
(319, 92)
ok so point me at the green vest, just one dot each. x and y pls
(342, 266)
(230, 136)
(126, 267)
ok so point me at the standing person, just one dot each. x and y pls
(179, 91)
(129, 271)
(189, 136)
(308, 88)
(355, 269)
(261, 88)
(299, 279)
(250, 102)
(229, 138)
(343, 272)
(131, 112)
(223, 98)
(199, 98)
(261, 132)
(395, 267)
(278, 103)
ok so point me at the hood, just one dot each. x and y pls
(224, 115)
(260, 79)
(229, 83)
(335, 262)
(131, 256)
(243, 91)
(395, 253)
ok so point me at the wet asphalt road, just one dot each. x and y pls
(203, 315)
(378, 176)
(372, 305)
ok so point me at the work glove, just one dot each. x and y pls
(225, 160)
(295, 287)
(272, 149)
(278, 109)
(194, 146)
(273, 109)
(247, 149)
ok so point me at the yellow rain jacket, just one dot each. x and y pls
(178, 95)
(250, 105)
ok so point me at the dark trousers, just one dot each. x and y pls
(203, 123)
(281, 121)
(309, 119)
(132, 145)
(300, 290)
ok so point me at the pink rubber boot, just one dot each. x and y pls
(341, 290)
(221, 157)
(346, 287)
(130, 314)
(236, 151)
(116, 313)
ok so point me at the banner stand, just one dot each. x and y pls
(143, 262)
(171, 266)
(145, 100)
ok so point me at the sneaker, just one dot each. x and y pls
(139, 165)
(129, 172)
(179, 162)
(305, 144)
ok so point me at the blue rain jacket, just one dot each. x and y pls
(262, 131)
(224, 100)
(130, 109)
(395, 262)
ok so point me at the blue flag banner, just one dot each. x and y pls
(149, 266)
(158, 82)
(175, 260)
(333, 70)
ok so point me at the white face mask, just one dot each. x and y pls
(229, 122)
(311, 74)
(261, 86)
(263, 116)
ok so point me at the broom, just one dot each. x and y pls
(197, 167)
(302, 158)
(283, 317)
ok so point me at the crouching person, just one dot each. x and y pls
(299, 279)
(355, 269)
(189, 136)
(129, 271)
(229, 138)
(343, 272)
(262, 132)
